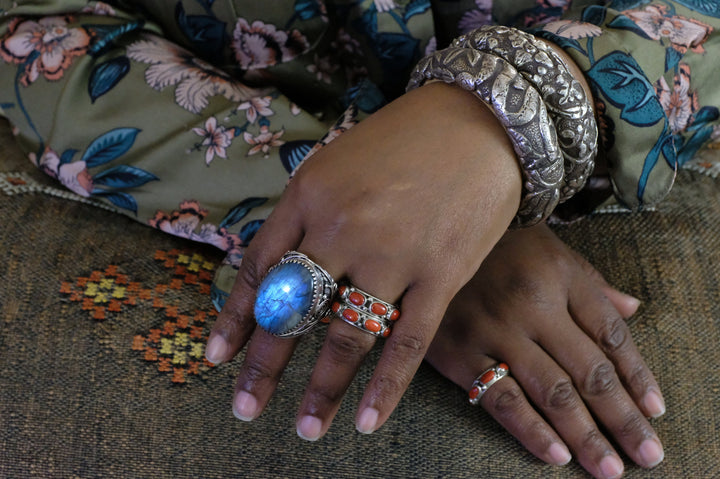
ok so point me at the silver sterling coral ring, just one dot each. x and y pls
(294, 296)
(483, 382)
(365, 311)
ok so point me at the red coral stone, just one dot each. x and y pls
(386, 333)
(335, 307)
(356, 298)
(350, 315)
(474, 392)
(487, 377)
(379, 309)
(372, 325)
(395, 315)
(503, 366)
(342, 290)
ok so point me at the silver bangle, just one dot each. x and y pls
(569, 108)
(519, 108)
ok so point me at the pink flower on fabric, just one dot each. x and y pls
(100, 8)
(679, 102)
(683, 33)
(185, 221)
(572, 29)
(76, 177)
(56, 44)
(476, 18)
(323, 69)
(264, 141)
(216, 138)
(262, 45)
(196, 80)
(259, 105)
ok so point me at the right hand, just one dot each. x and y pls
(538, 306)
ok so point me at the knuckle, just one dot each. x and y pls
(632, 425)
(409, 345)
(254, 372)
(601, 379)
(388, 387)
(323, 395)
(507, 402)
(343, 346)
(251, 273)
(592, 439)
(561, 395)
(613, 333)
(640, 378)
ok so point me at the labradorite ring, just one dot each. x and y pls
(294, 296)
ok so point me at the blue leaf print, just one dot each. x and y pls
(396, 51)
(623, 22)
(106, 34)
(687, 151)
(293, 152)
(67, 156)
(123, 176)
(109, 146)
(562, 42)
(415, 7)
(594, 14)
(106, 75)
(703, 116)
(6, 106)
(624, 84)
(239, 211)
(307, 9)
(205, 32)
(672, 58)
(706, 7)
(366, 95)
(119, 199)
(664, 145)
(218, 297)
(247, 233)
(627, 4)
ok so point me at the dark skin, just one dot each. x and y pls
(406, 206)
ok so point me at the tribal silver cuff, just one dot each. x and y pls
(568, 106)
(519, 108)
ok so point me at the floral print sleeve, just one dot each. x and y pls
(191, 115)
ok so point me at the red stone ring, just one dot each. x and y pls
(483, 382)
(364, 311)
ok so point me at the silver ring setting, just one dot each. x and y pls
(365, 311)
(294, 296)
(483, 382)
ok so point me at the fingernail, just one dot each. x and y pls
(632, 301)
(216, 349)
(651, 452)
(309, 428)
(245, 406)
(367, 420)
(611, 467)
(654, 404)
(559, 454)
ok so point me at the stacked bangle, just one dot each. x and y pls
(534, 96)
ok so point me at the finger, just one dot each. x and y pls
(342, 354)
(344, 349)
(280, 233)
(260, 373)
(595, 313)
(507, 404)
(598, 384)
(551, 389)
(422, 308)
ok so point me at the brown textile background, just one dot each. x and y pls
(85, 397)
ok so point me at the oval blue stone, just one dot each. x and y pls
(284, 298)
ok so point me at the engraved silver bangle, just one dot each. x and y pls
(569, 108)
(521, 111)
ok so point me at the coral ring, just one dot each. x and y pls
(294, 296)
(486, 379)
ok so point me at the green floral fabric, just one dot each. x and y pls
(191, 115)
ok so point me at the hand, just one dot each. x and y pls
(539, 307)
(404, 205)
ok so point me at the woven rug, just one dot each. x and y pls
(103, 321)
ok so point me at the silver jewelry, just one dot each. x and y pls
(566, 102)
(364, 311)
(294, 296)
(486, 379)
(519, 108)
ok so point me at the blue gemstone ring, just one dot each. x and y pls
(294, 296)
